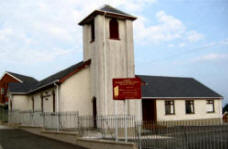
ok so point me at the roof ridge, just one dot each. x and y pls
(13, 73)
(116, 9)
(61, 70)
(166, 76)
(102, 6)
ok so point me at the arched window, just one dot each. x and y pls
(114, 29)
(92, 31)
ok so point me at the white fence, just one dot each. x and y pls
(14, 117)
(26, 118)
(3, 115)
(67, 121)
(47, 120)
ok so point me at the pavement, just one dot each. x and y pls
(4, 127)
(21, 139)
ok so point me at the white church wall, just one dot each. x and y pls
(37, 102)
(75, 93)
(48, 100)
(21, 103)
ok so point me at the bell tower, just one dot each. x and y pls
(108, 42)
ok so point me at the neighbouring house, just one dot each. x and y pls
(225, 117)
(108, 52)
(179, 99)
(25, 82)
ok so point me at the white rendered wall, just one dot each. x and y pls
(200, 110)
(75, 93)
(47, 101)
(21, 102)
(37, 102)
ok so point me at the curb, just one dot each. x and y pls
(60, 132)
(52, 138)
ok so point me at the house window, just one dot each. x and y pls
(92, 31)
(189, 107)
(169, 107)
(114, 29)
(210, 106)
(2, 91)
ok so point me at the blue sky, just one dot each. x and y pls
(185, 38)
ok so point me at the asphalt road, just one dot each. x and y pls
(18, 139)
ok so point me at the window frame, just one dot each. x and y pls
(170, 103)
(209, 102)
(190, 102)
(114, 29)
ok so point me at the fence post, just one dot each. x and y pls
(33, 119)
(57, 114)
(139, 135)
(116, 128)
(125, 120)
(43, 119)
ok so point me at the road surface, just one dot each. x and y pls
(18, 139)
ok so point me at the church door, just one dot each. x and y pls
(94, 112)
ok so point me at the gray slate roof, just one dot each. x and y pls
(28, 83)
(157, 86)
(110, 9)
(59, 74)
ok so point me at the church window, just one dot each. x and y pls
(92, 31)
(114, 29)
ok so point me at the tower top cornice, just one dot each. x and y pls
(108, 11)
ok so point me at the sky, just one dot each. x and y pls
(183, 38)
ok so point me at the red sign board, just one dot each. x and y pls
(126, 88)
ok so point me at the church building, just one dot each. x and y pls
(86, 87)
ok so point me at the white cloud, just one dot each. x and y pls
(25, 56)
(4, 33)
(194, 36)
(171, 45)
(217, 43)
(210, 57)
(181, 45)
(223, 42)
(168, 28)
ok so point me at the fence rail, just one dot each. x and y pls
(108, 126)
(65, 121)
(186, 136)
